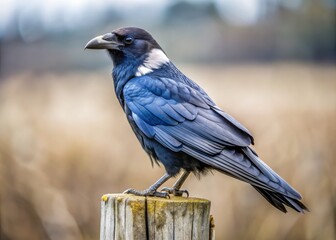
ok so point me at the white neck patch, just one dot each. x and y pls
(156, 58)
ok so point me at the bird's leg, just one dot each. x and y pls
(176, 189)
(152, 190)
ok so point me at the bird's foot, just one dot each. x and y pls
(175, 191)
(148, 192)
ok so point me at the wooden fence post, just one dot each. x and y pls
(125, 216)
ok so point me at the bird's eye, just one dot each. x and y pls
(128, 40)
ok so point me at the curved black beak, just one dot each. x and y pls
(107, 41)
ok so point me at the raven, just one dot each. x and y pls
(179, 125)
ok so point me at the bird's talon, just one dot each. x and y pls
(180, 192)
(129, 191)
(175, 192)
(167, 190)
(184, 191)
(147, 192)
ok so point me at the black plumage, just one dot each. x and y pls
(179, 125)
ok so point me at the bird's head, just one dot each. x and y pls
(131, 46)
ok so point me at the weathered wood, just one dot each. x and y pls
(125, 216)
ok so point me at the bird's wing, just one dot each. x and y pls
(184, 113)
(182, 118)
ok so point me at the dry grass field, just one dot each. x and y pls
(64, 141)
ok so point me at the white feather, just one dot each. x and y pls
(156, 58)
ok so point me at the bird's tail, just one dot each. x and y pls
(244, 164)
(278, 200)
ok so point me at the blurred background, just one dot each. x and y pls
(64, 140)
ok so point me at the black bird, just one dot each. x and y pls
(179, 125)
